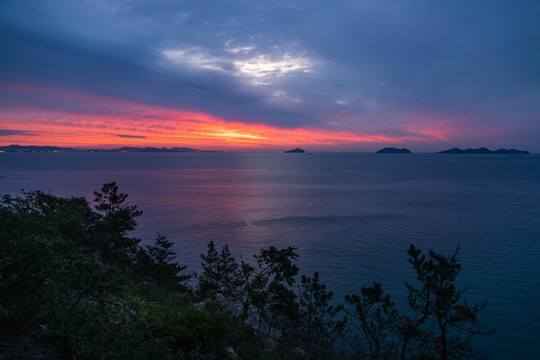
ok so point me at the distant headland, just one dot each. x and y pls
(297, 151)
(391, 150)
(20, 148)
(484, 150)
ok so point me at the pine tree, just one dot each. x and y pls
(450, 323)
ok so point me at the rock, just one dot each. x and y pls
(297, 150)
(391, 150)
(232, 354)
(484, 151)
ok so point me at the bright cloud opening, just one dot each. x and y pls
(194, 57)
(265, 67)
(261, 69)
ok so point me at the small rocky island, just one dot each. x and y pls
(391, 150)
(484, 150)
(297, 151)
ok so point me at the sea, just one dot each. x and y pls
(351, 216)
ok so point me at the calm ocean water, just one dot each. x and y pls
(351, 215)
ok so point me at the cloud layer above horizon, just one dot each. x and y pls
(344, 75)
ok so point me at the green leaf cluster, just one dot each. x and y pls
(75, 285)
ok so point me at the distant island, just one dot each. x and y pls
(484, 150)
(297, 150)
(391, 150)
(19, 148)
(153, 149)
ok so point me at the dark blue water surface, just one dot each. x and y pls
(351, 215)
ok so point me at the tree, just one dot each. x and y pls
(447, 324)
(209, 278)
(375, 316)
(109, 201)
(268, 290)
(230, 278)
(318, 326)
(48, 267)
(161, 263)
(117, 219)
(441, 326)
(74, 284)
(221, 273)
(71, 281)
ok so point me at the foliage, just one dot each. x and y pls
(448, 324)
(75, 284)
(116, 220)
(262, 292)
(210, 278)
(221, 273)
(66, 271)
(318, 327)
(376, 315)
(440, 325)
(156, 263)
(268, 291)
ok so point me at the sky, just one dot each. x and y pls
(271, 75)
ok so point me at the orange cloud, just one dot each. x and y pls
(171, 128)
(78, 119)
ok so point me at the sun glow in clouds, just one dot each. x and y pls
(97, 121)
(80, 119)
(174, 128)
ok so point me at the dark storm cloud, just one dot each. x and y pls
(438, 53)
(7, 132)
(119, 65)
(131, 136)
(287, 63)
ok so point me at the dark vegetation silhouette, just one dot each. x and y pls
(75, 285)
